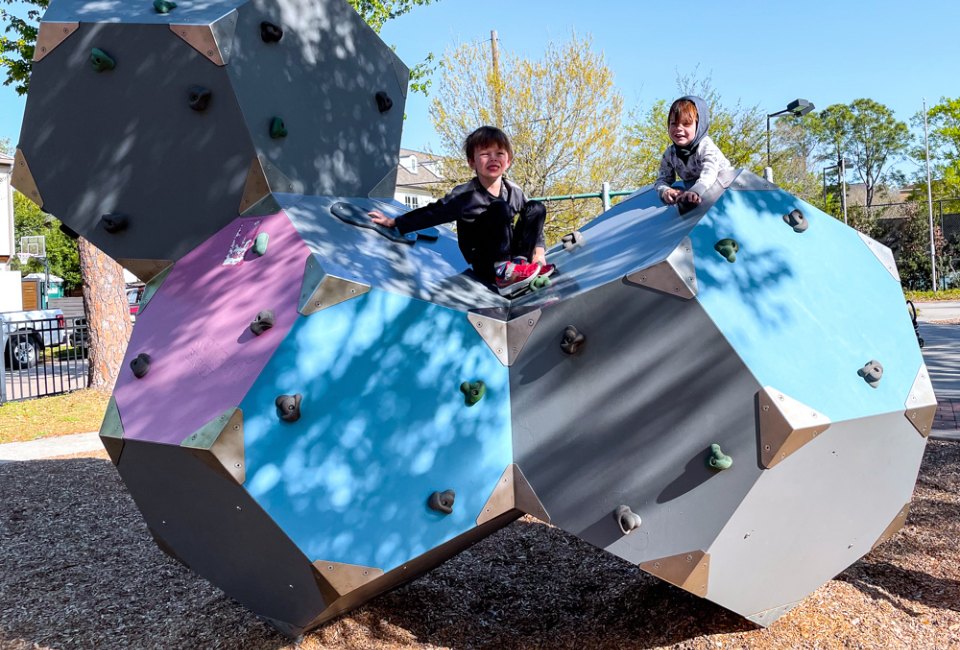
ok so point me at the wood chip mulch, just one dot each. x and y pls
(78, 569)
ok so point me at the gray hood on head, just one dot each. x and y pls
(703, 123)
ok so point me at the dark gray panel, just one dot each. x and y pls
(126, 140)
(199, 12)
(630, 419)
(815, 513)
(321, 79)
(212, 525)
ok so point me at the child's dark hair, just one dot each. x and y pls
(681, 108)
(486, 136)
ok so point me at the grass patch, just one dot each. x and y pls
(930, 296)
(77, 412)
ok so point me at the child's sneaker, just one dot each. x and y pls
(547, 270)
(512, 276)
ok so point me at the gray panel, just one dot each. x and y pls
(200, 12)
(127, 141)
(224, 536)
(630, 419)
(815, 513)
(427, 270)
(321, 78)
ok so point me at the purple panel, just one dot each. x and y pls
(196, 330)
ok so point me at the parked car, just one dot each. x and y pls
(134, 294)
(25, 334)
(79, 336)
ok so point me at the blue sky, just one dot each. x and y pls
(761, 53)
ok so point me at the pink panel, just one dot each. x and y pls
(196, 329)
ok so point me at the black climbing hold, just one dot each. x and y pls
(101, 61)
(270, 33)
(727, 248)
(871, 372)
(572, 240)
(428, 234)
(288, 407)
(384, 103)
(627, 519)
(277, 128)
(442, 501)
(263, 322)
(199, 98)
(164, 6)
(114, 222)
(357, 216)
(718, 459)
(69, 232)
(796, 220)
(473, 392)
(573, 339)
(140, 365)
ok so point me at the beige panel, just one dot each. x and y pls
(200, 38)
(512, 492)
(256, 187)
(338, 579)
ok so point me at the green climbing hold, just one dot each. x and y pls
(539, 282)
(718, 459)
(473, 392)
(260, 244)
(164, 6)
(727, 248)
(101, 61)
(277, 128)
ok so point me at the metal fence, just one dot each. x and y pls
(43, 357)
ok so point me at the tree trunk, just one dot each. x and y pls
(108, 314)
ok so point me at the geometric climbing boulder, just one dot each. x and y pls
(313, 411)
(147, 132)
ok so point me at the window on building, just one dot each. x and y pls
(411, 201)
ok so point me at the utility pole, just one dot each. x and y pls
(495, 84)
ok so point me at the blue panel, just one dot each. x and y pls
(806, 310)
(384, 425)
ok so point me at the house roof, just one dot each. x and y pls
(5, 160)
(424, 178)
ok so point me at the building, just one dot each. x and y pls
(419, 176)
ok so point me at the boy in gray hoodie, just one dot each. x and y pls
(693, 156)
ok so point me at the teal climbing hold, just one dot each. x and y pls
(473, 392)
(260, 244)
(101, 61)
(539, 282)
(164, 6)
(277, 128)
(727, 248)
(718, 459)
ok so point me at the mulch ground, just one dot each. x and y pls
(78, 569)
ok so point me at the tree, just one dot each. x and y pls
(62, 254)
(562, 113)
(739, 131)
(866, 132)
(792, 154)
(943, 121)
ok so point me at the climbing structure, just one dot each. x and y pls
(313, 411)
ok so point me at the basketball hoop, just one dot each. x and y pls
(23, 257)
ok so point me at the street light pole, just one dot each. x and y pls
(797, 108)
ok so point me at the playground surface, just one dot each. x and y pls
(79, 569)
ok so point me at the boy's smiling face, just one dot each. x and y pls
(490, 163)
(682, 130)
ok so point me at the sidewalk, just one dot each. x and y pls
(50, 447)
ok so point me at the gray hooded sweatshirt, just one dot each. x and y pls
(699, 163)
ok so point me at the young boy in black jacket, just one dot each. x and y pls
(502, 253)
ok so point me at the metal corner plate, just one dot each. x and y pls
(689, 571)
(222, 438)
(921, 404)
(676, 275)
(151, 288)
(882, 253)
(343, 578)
(111, 431)
(51, 35)
(785, 425)
(202, 39)
(505, 339)
(512, 492)
(893, 527)
(22, 179)
(146, 270)
(320, 290)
